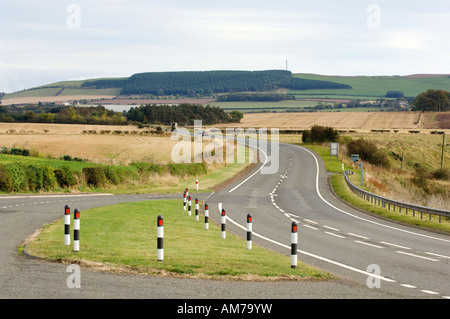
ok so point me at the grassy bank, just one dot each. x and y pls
(122, 238)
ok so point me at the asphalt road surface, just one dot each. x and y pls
(374, 258)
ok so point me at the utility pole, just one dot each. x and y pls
(442, 154)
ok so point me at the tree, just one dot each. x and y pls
(432, 100)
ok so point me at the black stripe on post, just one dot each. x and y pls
(160, 238)
(189, 205)
(249, 231)
(196, 209)
(67, 225)
(223, 221)
(294, 241)
(76, 230)
(206, 216)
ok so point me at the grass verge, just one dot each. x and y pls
(122, 238)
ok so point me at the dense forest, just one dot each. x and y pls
(181, 114)
(432, 100)
(190, 83)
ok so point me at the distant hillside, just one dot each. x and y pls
(190, 83)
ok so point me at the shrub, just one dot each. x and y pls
(442, 174)
(18, 176)
(35, 176)
(94, 176)
(5, 180)
(49, 180)
(112, 175)
(368, 151)
(320, 134)
(64, 177)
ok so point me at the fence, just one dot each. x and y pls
(387, 203)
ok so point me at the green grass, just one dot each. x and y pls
(123, 237)
(369, 87)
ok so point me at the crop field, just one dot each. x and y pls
(338, 120)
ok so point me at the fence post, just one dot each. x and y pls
(223, 221)
(189, 205)
(196, 209)
(160, 238)
(67, 225)
(206, 216)
(249, 231)
(294, 241)
(76, 230)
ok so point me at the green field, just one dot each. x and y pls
(123, 238)
(373, 87)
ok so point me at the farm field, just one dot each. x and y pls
(338, 120)
(374, 87)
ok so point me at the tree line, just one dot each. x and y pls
(191, 83)
(182, 114)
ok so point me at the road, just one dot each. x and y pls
(389, 257)
(413, 263)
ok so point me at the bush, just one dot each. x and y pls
(94, 176)
(5, 180)
(18, 176)
(368, 151)
(112, 175)
(442, 174)
(35, 176)
(64, 177)
(320, 134)
(49, 180)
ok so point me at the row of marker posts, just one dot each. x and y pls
(223, 220)
(76, 228)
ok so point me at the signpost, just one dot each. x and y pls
(334, 149)
(355, 158)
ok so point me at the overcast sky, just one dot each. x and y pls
(47, 41)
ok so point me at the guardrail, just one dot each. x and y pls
(387, 203)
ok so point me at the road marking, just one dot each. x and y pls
(414, 255)
(437, 255)
(332, 234)
(408, 286)
(311, 221)
(332, 228)
(356, 235)
(371, 245)
(430, 292)
(306, 225)
(394, 245)
(369, 274)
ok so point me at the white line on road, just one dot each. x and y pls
(371, 245)
(414, 255)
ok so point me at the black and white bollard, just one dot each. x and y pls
(249, 231)
(223, 221)
(160, 238)
(76, 230)
(189, 205)
(196, 209)
(67, 225)
(294, 241)
(196, 185)
(184, 200)
(206, 216)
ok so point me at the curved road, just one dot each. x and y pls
(405, 262)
